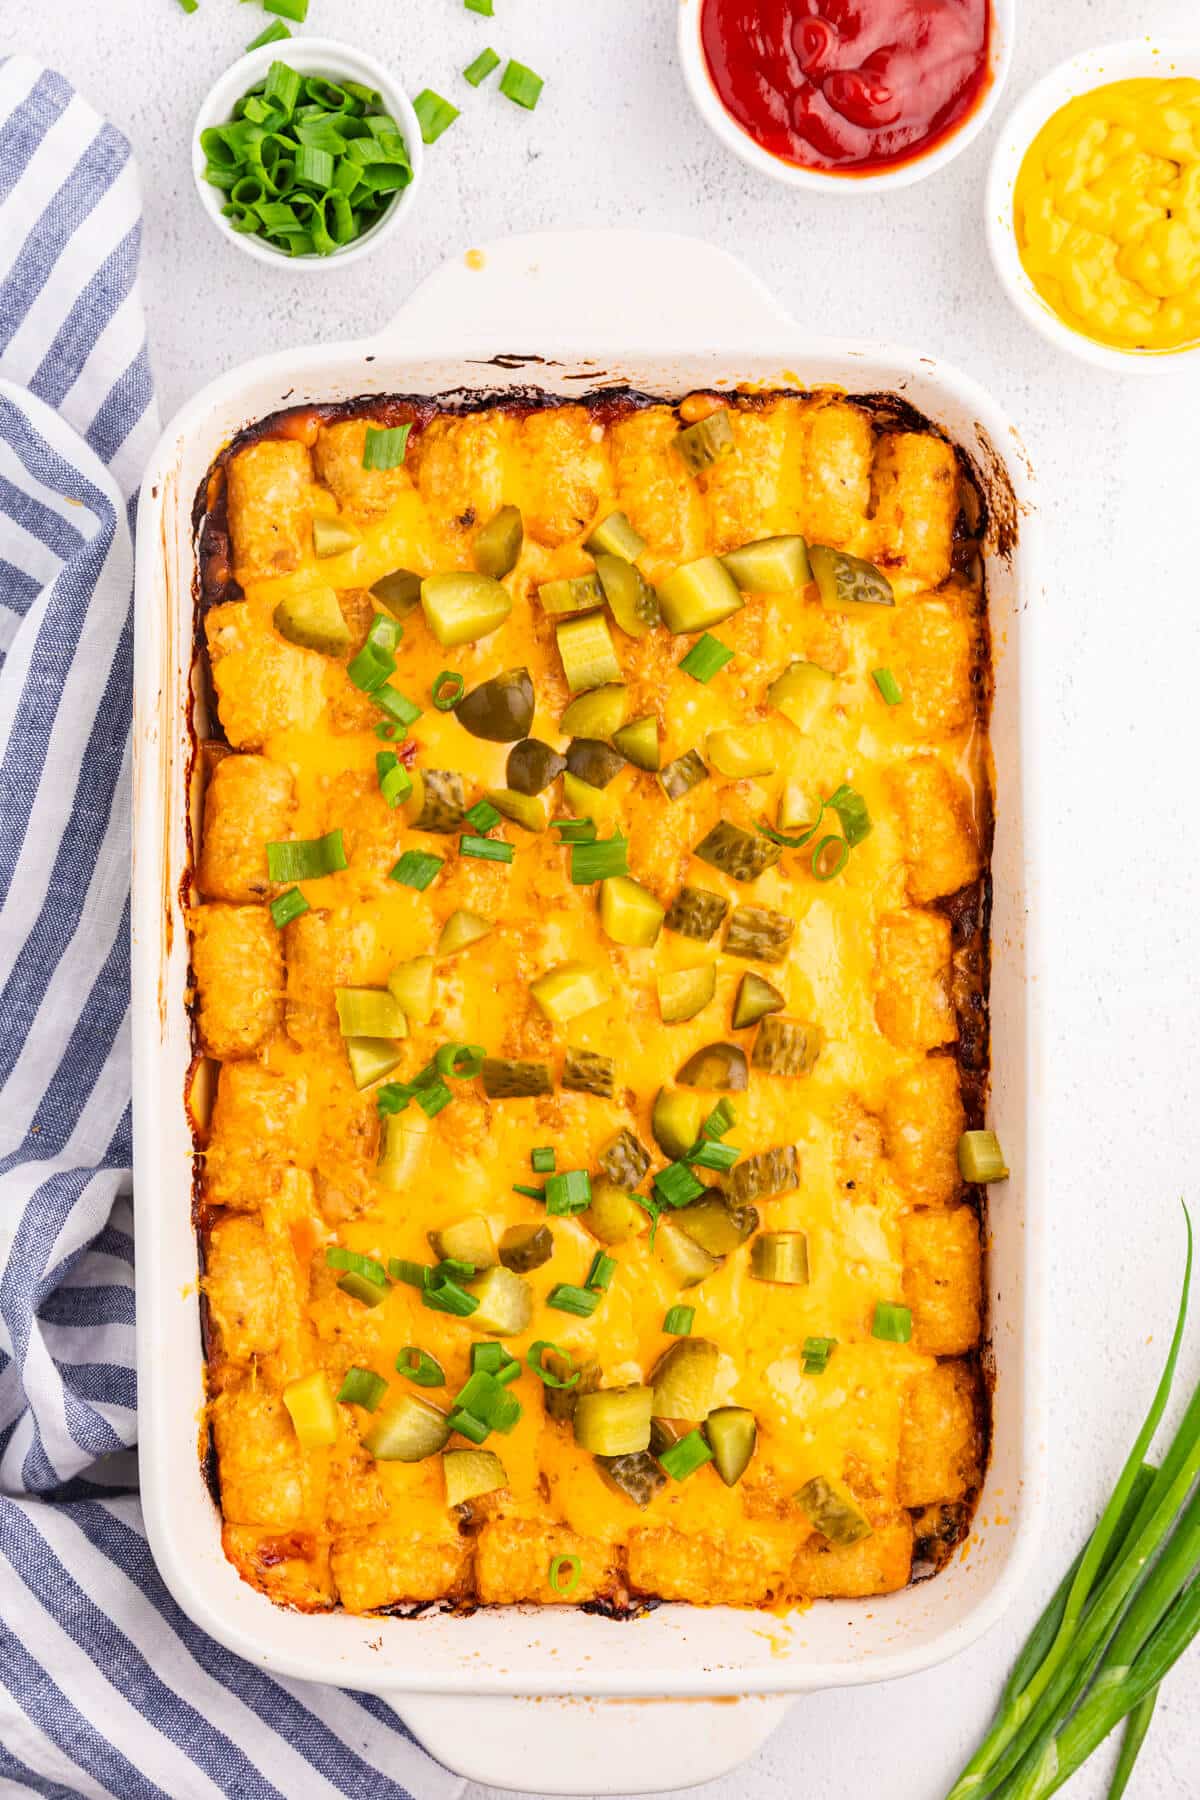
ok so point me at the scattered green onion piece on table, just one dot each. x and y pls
(486, 849)
(416, 869)
(568, 1192)
(683, 1458)
(535, 1356)
(707, 656)
(419, 1366)
(603, 1268)
(306, 859)
(565, 1297)
(447, 689)
(274, 31)
(679, 1321)
(483, 816)
(191, 6)
(296, 10)
(288, 906)
(564, 1572)
(541, 1160)
(362, 1387)
(830, 857)
(888, 686)
(434, 115)
(520, 84)
(384, 449)
(600, 860)
(483, 7)
(892, 1323)
(481, 68)
(395, 782)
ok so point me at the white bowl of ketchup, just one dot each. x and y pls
(858, 94)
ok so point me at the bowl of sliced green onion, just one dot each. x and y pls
(312, 159)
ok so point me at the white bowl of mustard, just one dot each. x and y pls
(1093, 205)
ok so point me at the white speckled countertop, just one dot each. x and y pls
(615, 142)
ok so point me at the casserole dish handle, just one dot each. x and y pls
(581, 1746)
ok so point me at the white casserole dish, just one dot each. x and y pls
(556, 311)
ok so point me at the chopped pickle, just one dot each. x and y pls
(802, 693)
(314, 621)
(576, 594)
(682, 775)
(313, 1411)
(770, 565)
(666, 1432)
(501, 709)
(698, 595)
(570, 989)
(717, 1068)
(743, 855)
(741, 750)
(833, 1511)
(462, 928)
(587, 1072)
(685, 992)
(525, 810)
(613, 1216)
(369, 1013)
(586, 648)
(590, 759)
(469, 1240)
(754, 1000)
(498, 545)
(684, 1261)
(706, 442)
(716, 1226)
(526, 1247)
(629, 913)
(411, 983)
(637, 1476)
(631, 600)
(615, 536)
(638, 742)
(332, 537)
(696, 913)
(472, 1473)
(505, 1304)
(624, 1159)
(676, 1120)
(732, 1433)
(560, 1402)
(683, 1379)
(780, 1256)
(588, 802)
(402, 1146)
(460, 608)
(760, 935)
(596, 714)
(798, 810)
(399, 592)
(437, 802)
(768, 1172)
(614, 1421)
(846, 582)
(409, 1432)
(532, 766)
(786, 1047)
(980, 1157)
(508, 1078)
(372, 1058)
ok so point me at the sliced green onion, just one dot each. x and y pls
(384, 449)
(416, 869)
(282, 87)
(830, 857)
(447, 690)
(519, 1187)
(796, 842)
(336, 1257)
(851, 809)
(362, 1387)
(434, 115)
(522, 85)
(568, 1192)
(412, 1274)
(395, 782)
(462, 1062)
(484, 7)
(470, 1427)
(296, 10)
(599, 861)
(392, 734)
(679, 1321)
(603, 1268)
(721, 1119)
(432, 1099)
(276, 30)
(653, 1212)
(817, 1352)
(535, 1357)
(683, 1458)
(707, 656)
(564, 1572)
(288, 906)
(488, 1399)
(419, 1366)
(314, 168)
(494, 1359)
(574, 831)
(306, 859)
(455, 1268)
(676, 1185)
(191, 6)
(370, 669)
(399, 708)
(448, 1297)
(570, 1299)
(484, 63)
(486, 849)
(710, 1153)
(360, 1287)
(541, 1160)
(891, 1323)
(888, 686)
(483, 816)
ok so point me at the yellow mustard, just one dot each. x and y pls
(1107, 213)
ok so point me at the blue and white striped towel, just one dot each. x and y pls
(106, 1688)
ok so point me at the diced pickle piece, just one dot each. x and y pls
(682, 775)
(590, 759)
(508, 1078)
(587, 1072)
(461, 608)
(768, 1172)
(780, 1256)
(469, 1240)
(732, 1433)
(313, 1411)
(501, 709)
(570, 989)
(716, 1226)
(532, 766)
(759, 934)
(637, 1476)
(615, 536)
(629, 913)
(624, 1159)
(756, 997)
(560, 1402)
(744, 855)
(833, 1511)
(313, 620)
(525, 810)
(613, 1216)
(505, 1304)
(685, 992)
(706, 442)
(698, 595)
(437, 802)
(799, 811)
(462, 928)
(742, 750)
(576, 594)
(614, 1421)
(412, 985)
(409, 1432)
(676, 1120)
(664, 1433)
(717, 1068)
(596, 714)
(980, 1157)
(370, 1013)
(332, 537)
(846, 582)
(586, 648)
(786, 1047)
(684, 1261)
(631, 600)
(696, 913)
(683, 1379)
(405, 1136)
(399, 592)
(526, 1247)
(771, 565)
(802, 693)
(472, 1473)
(372, 1058)
(638, 742)
(498, 545)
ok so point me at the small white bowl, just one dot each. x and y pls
(337, 62)
(1138, 57)
(723, 126)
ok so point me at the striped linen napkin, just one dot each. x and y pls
(106, 1688)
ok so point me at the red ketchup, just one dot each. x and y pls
(847, 85)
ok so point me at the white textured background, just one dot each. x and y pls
(615, 142)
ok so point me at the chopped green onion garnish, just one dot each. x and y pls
(851, 809)
(455, 1268)
(314, 168)
(395, 782)
(816, 1352)
(891, 1323)
(412, 1274)
(486, 849)
(360, 1287)
(599, 861)
(391, 734)
(653, 1212)
(336, 1257)
(433, 1098)
(522, 85)
(494, 1359)
(541, 1160)
(568, 1192)
(721, 1119)
(434, 115)
(283, 87)
(399, 708)
(288, 906)
(370, 669)
(470, 1427)
(535, 1356)
(385, 449)
(707, 656)
(483, 816)
(676, 1185)
(462, 1062)
(580, 1301)
(420, 1367)
(306, 859)
(488, 1399)
(416, 869)
(683, 1458)
(276, 30)
(448, 1297)
(288, 9)
(830, 857)
(564, 1572)
(603, 1268)
(484, 63)
(574, 831)
(888, 686)
(679, 1320)
(519, 1187)
(710, 1153)
(447, 690)
(362, 1387)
